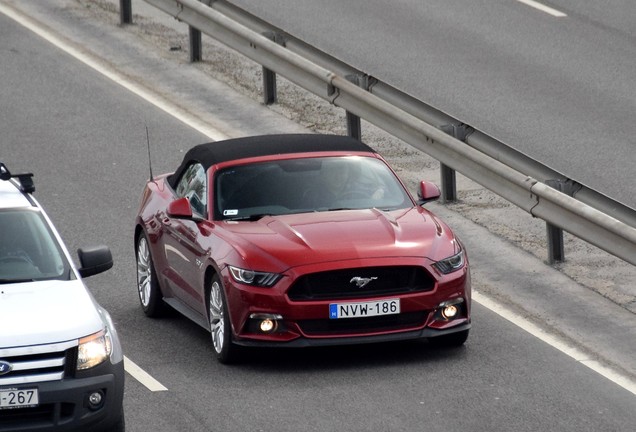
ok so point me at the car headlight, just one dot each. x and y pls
(451, 264)
(94, 350)
(251, 277)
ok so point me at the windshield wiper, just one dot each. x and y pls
(342, 208)
(250, 218)
(8, 281)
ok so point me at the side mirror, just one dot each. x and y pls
(94, 260)
(428, 192)
(180, 209)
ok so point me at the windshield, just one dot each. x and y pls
(306, 185)
(28, 250)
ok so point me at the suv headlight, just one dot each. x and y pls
(250, 277)
(94, 350)
(451, 264)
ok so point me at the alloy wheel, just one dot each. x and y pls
(144, 272)
(217, 315)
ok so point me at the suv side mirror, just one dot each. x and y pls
(427, 192)
(94, 260)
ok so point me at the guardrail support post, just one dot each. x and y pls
(447, 175)
(354, 126)
(448, 183)
(556, 249)
(269, 87)
(196, 45)
(125, 12)
(269, 77)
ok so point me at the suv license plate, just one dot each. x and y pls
(364, 309)
(14, 398)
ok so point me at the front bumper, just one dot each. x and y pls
(307, 322)
(355, 340)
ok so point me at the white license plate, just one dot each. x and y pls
(13, 398)
(364, 309)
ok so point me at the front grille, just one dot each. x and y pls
(340, 284)
(357, 326)
(38, 363)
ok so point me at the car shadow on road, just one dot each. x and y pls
(387, 354)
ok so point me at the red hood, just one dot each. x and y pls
(309, 238)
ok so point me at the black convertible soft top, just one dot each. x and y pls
(212, 153)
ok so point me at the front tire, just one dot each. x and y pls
(150, 295)
(220, 328)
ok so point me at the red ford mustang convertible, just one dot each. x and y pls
(295, 241)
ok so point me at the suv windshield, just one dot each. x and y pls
(251, 191)
(28, 249)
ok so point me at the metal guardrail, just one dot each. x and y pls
(586, 214)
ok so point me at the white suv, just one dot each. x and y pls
(61, 363)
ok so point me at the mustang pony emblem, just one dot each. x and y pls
(361, 282)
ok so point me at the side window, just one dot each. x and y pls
(192, 185)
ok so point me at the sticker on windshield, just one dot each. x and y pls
(230, 212)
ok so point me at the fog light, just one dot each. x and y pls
(450, 309)
(96, 400)
(449, 312)
(267, 325)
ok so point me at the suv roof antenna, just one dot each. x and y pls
(149, 158)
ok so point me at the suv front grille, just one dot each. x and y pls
(38, 363)
(340, 284)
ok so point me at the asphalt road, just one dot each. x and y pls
(83, 136)
(562, 90)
